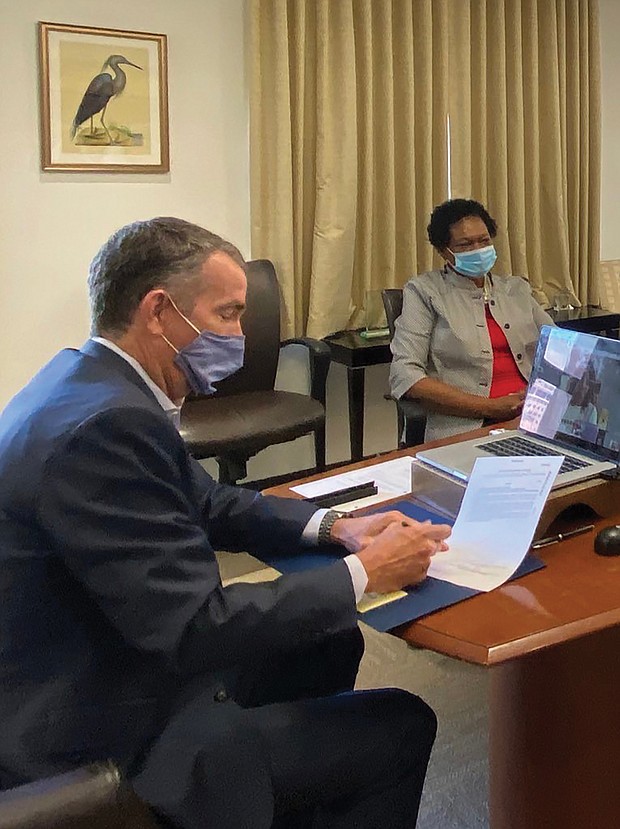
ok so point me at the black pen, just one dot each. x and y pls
(554, 539)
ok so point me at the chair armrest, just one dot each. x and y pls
(319, 357)
(89, 796)
(413, 417)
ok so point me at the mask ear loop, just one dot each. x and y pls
(166, 340)
(189, 322)
(449, 264)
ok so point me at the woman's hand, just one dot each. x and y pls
(504, 408)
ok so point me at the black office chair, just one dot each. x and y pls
(246, 414)
(411, 414)
(91, 797)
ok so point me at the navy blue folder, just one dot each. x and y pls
(432, 594)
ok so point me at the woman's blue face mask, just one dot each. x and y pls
(475, 263)
(208, 358)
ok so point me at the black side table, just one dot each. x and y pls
(357, 353)
(588, 319)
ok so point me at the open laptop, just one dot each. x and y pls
(572, 408)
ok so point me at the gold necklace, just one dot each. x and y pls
(486, 289)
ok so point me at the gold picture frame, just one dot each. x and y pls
(83, 70)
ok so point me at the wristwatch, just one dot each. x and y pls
(327, 522)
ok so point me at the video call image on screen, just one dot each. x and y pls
(574, 391)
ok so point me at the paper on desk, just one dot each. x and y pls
(392, 479)
(497, 520)
(254, 577)
(370, 601)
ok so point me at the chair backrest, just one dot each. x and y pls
(609, 284)
(411, 414)
(261, 326)
(393, 304)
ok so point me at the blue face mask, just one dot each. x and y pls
(475, 263)
(209, 358)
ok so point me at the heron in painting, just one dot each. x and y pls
(102, 87)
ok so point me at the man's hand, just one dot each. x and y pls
(401, 554)
(357, 533)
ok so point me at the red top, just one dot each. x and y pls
(507, 379)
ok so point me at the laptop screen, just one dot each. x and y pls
(573, 396)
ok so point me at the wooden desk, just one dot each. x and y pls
(552, 643)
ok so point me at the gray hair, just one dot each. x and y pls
(156, 253)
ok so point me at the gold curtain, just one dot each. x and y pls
(525, 124)
(348, 144)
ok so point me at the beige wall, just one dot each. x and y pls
(52, 223)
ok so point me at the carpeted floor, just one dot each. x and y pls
(455, 794)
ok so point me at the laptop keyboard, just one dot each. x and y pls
(521, 446)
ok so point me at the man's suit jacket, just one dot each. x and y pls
(111, 600)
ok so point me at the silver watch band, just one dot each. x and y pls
(327, 522)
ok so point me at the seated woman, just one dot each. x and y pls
(465, 341)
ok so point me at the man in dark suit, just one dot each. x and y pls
(224, 706)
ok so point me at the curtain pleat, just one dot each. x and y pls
(514, 247)
(333, 233)
(273, 148)
(348, 114)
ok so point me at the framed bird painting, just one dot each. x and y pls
(104, 100)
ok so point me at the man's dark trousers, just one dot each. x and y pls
(336, 758)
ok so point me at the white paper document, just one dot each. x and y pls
(392, 479)
(497, 520)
